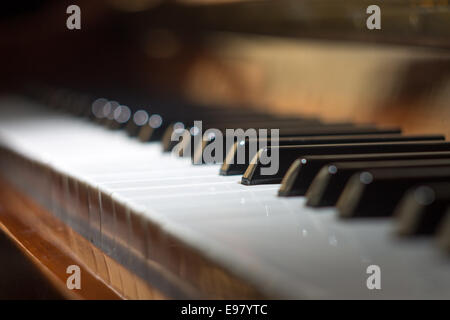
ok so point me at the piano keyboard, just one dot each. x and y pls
(135, 202)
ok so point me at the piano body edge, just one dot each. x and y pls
(29, 218)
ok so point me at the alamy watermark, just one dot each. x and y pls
(74, 280)
(373, 282)
(73, 21)
(209, 146)
(373, 22)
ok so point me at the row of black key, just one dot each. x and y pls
(363, 170)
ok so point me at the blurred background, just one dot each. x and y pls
(315, 57)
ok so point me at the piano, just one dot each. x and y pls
(92, 177)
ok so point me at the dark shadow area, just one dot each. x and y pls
(19, 278)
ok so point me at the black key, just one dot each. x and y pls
(322, 131)
(198, 145)
(69, 101)
(61, 99)
(171, 110)
(229, 119)
(105, 114)
(121, 117)
(443, 233)
(139, 119)
(242, 146)
(79, 105)
(96, 112)
(168, 144)
(151, 126)
(288, 154)
(215, 119)
(302, 171)
(288, 129)
(422, 209)
(376, 192)
(331, 179)
(232, 167)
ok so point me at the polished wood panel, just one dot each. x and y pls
(52, 247)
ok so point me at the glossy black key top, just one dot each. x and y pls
(223, 121)
(285, 127)
(232, 166)
(216, 119)
(306, 130)
(159, 124)
(138, 119)
(331, 179)
(288, 154)
(376, 192)
(164, 114)
(303, 170)
(79, 104)
(121, 117)
(246, 147)
(196, 142)
(422, 209)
